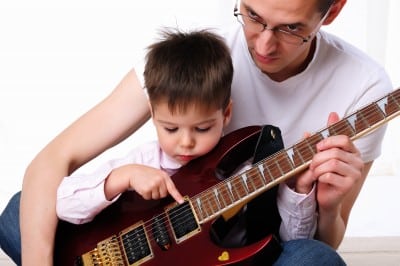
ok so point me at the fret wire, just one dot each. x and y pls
(198, 207)
(364, 120)
(251, 180)
(310, 144)
(260, 169)
(285, 164)
(271, 177)
(343, 127)
(235, 188)
(376, 116)
(352, 121)
(206, 206)
(396, 97)
(382, 103)
(224, 195)
(231, 190)
(298, 154)
(257, 178)
(210, 203)
(240, 188)
(217, 201)
(389, 108)
(243, 178)
(279, 167)
(290, 155)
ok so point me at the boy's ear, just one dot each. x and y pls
(228, 113)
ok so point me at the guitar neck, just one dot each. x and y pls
(286, 163)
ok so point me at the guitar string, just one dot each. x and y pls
(235, 180)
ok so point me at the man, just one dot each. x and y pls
(287, 74)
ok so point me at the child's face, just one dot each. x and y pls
(187, 135)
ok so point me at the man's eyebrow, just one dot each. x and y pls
(248, 8)
(297, 24)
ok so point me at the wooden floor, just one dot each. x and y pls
(371, 251)
(356, 251)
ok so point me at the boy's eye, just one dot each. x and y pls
(199, 129)
(171, 129)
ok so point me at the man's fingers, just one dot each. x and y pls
(333, 118)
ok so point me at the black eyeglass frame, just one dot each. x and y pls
(301, 39)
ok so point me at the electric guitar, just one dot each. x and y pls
(135, 231)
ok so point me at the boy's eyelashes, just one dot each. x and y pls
(171, 130)
(204, 129)
(198, 129)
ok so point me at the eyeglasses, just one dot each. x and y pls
(282, 33)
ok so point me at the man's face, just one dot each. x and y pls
(275, 57)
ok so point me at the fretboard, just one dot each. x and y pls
(286, 163)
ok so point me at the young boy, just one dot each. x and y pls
(188, 82)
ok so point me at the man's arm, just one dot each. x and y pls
(108, 123)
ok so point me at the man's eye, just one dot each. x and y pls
(171, 129)
(199, 129)
(292, 28)
(253, 16)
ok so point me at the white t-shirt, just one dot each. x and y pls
(340, 78)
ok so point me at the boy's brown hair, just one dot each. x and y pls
(185, 69)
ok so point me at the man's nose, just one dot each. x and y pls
(266, 39)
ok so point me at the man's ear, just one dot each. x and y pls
(334, 11)
(228, 113)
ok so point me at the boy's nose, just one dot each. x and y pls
(187, 140)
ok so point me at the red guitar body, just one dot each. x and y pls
(74, 240)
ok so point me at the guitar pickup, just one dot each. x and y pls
(183, 221)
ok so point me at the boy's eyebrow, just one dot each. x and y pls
(174, 124)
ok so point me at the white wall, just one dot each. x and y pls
(59, 59)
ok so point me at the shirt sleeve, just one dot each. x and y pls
(81, 197)
(298, 213)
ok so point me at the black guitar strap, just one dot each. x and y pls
(260, 217)
(262, 212)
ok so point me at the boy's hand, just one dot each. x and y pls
(149, 182)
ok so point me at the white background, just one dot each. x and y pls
(58, 59)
